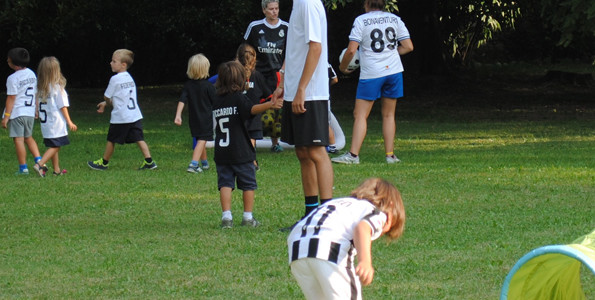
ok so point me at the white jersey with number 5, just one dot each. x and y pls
(53, 123)
(23, 85)
(122, 91)
(378, 34)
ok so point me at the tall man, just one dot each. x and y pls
(305, 91)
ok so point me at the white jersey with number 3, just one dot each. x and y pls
(122, 92)
(378, 34)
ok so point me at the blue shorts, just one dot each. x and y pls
(242, 174)
(390, 86)
(56, 142)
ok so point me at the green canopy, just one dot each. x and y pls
(551, 272)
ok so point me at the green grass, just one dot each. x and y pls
(479, 195)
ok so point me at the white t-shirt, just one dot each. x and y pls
(378, 33)
(23, 85)
(307, 23)
(122, 91)
(327, 232)
(53, 123)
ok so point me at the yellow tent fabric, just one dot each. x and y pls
(551, 272)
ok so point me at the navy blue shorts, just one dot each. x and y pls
(127, 133)
(56, 142)
(242, 174)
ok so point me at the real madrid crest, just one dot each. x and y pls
(281, 33)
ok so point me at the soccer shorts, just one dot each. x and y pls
(390, 86)
(56, 142)
(307, 129)
(21, 127)
(321, 279)
(126, 133)
(242, 174)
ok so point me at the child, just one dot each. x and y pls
(19, 113)
(126, 120)
(53, 113)
(322, 245)
(198, 92)
(234, 153)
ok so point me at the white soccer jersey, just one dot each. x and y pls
(53, 123)
(327, 232)
(378, 34)
(307, 23)
(23, 84)
(122, 91)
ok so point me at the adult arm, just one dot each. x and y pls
(312, 58)
(405, 46)
(348, 56)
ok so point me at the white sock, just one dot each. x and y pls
(248, 215)
(226, 215)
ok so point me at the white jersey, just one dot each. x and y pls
(307, 23)
(327, 232)
(23, 85)
(53, 123)
(378, 34)
(122, 91)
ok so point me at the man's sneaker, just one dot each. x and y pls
(332, 149)
(60, 173)
(277, 148)
(250, 223)
(392, 159)
(205, 165)
(227, 223)
(40, 169)
(194, 169)
(22, 172)
(346, 159)
(97, 165)
(148, 166)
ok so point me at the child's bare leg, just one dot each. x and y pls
(199, 150)
(144, 148)
(248, 197)
(19, 146)
(55, 160)
(203, 155)
(225, 198)
(32, 145)
(51, 153)
(109, 151)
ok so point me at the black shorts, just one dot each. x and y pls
(56, 142)
(307, 129)
(126, 133)
(242, 174)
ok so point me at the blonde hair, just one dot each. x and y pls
(126, 56)
(386, 197)
(48, 75)
(198, 67)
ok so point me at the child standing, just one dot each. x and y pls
(199, 93)
(19, 113)
(322, 246)
(234, 153)
(126, 119)
(53, 113)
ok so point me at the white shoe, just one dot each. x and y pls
(392, 159)
(346, 159)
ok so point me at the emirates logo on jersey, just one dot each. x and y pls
(281, 33)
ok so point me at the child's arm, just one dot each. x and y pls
(362, 240)
(102, 104)
(178, 119)
(8, 110)
(276, 103)
(71, 125)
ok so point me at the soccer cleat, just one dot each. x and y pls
(97, 165)
(60, 173)
(332, 149)
(277, 148)
(227, 223)
(22, 172)
(392, 159)
(250, 223)
(148, 166)
(194, 169)
(40, 169)
(346, 159)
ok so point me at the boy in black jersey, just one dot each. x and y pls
(234, 153)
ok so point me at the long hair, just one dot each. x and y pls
(48, 76)
(246, 55)
(198, 67)
(231, 78)
(386, 197)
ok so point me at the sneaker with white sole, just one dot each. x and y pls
(147, 166)
(392, 159)
(226, 223)
(250, 222)
(194, 169)
(97, 165)
(346, 159)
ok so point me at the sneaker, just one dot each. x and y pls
(289, 228)
(392, 159)
(148, 166)
(97, 165)
(59, 173)
(277, 148)
(205, 165)
(346, 159)
(250, 223)
(227, 223)
(22, 172)
(40, 170)
(194, 169)
(332, 149)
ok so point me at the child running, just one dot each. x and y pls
(198, 93)
(234, 153)
(53, 113)
(19, 113)
(322, 246)
(126, 124)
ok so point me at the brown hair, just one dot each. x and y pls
(19, 57)
(375, 4)
(246, 55)
(48, 75)
(387, 198)
(231, 78)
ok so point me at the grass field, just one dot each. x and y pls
(483, 184)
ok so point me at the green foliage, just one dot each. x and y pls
(573, 19)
